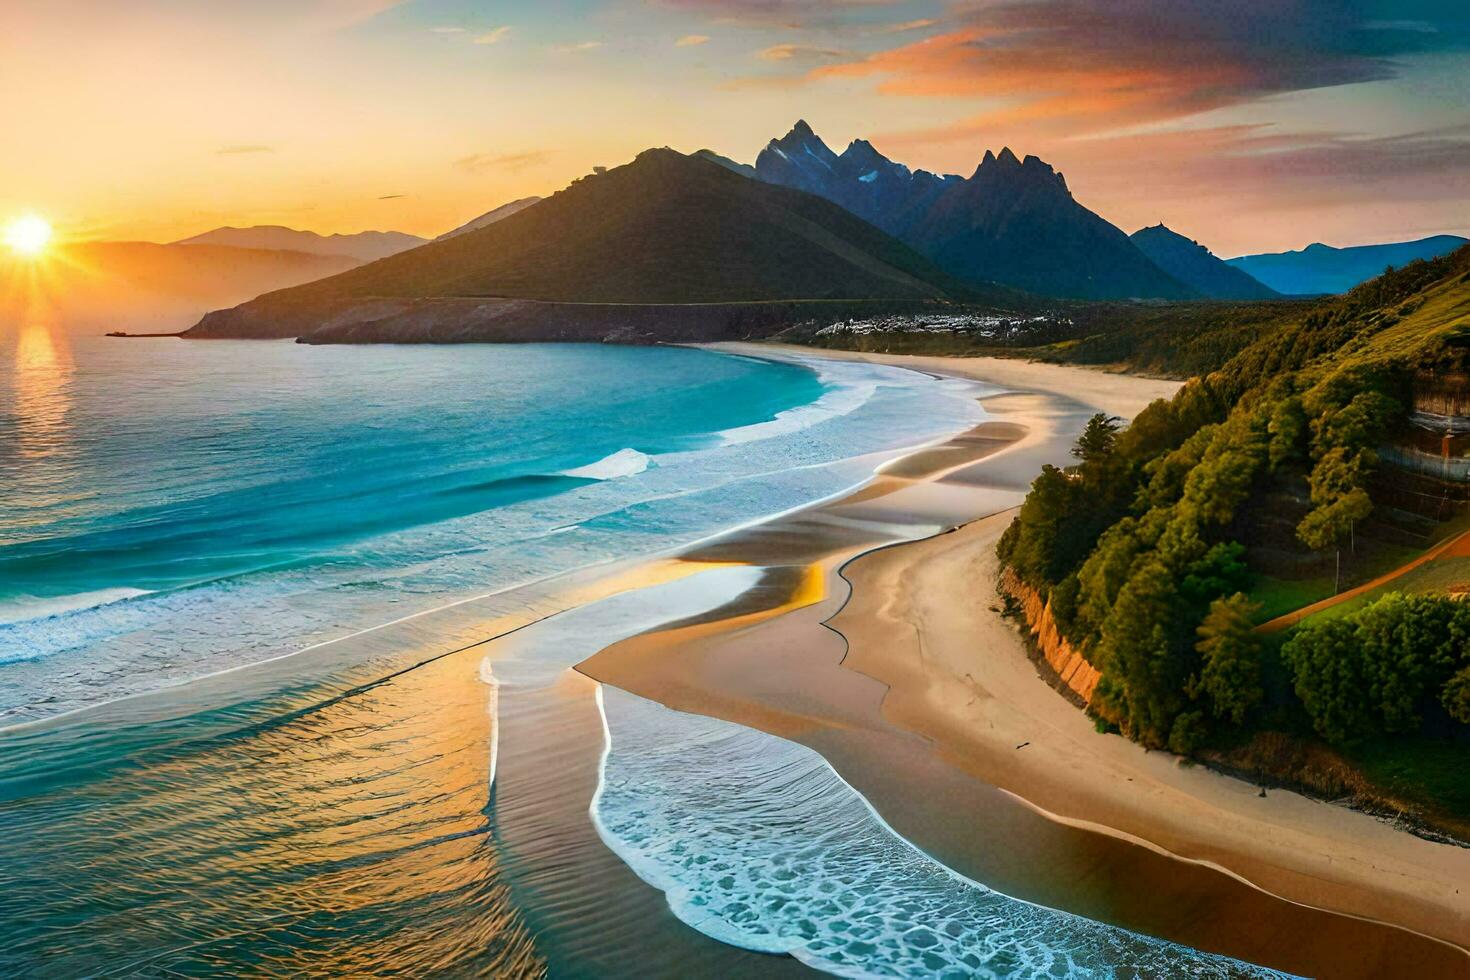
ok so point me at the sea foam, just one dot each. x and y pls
(756, 841)
(624, 462)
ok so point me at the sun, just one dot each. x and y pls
(28, 236)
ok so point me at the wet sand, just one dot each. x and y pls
(922, 696)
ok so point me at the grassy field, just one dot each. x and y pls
(1439, 576)
(1277, 597)
(1428, 773)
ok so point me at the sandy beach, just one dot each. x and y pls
(892, 659)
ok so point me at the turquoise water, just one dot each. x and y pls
(286, 638)
(245, 590)
(169, 509)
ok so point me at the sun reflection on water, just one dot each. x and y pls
(40, 388)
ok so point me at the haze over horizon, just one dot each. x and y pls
(1260, 128)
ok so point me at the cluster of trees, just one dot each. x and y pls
(1384, 668)
(1138, 544)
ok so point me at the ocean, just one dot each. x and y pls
(286, 648)
(169, 509)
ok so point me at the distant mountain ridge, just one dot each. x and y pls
(490, 217)
(664, 229)
(1012, 221)
(1321, 269)
(148, 287)
(1197, 267)
(365, 246)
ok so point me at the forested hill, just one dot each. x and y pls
(1149, 546)
(664, 229)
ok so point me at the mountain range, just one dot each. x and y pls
(665, 229)
(152, 288)
(366, 246)
(1012, 221)
(802, 225)
(1197, 267)
(1319, 269)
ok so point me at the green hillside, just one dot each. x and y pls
(1151, 545)
(666, 228)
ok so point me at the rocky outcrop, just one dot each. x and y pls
(1071, 668)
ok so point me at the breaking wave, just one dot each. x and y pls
(756, 841)
(624, 462)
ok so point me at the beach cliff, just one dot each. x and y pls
(1071, 668)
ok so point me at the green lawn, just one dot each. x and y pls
(1430, 772)
(1278, 596)
(1437, 576)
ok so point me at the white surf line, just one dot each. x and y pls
(635, 863)
(52, 719)
(492, 708)
(564, 639)
(888, 457)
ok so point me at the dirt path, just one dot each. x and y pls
(1456, 547)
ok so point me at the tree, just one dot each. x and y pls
(1287, 427)
(1138, 645)
(1379, 669)
(1230, 673)
(1456, 695)
(1221, 571)
(1035, 544)
(1188, 731)
(1328, 676)
(1329, 524)
(1098, 438)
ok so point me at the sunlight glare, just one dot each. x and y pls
(28, 236)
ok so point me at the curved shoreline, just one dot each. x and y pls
(844, 725)
(771, 660)
(575, 580)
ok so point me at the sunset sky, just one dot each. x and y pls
(1251, 125)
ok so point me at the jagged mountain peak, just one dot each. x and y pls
(802, 135)
(1012, 171)
(1013, 221)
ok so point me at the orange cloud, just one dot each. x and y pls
(909, 25)
(1087, 67)
(1037, 87)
